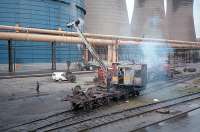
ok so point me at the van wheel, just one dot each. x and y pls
(72, 78)
(90, 68)
(137, 93)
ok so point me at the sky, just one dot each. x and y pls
(196, 13)
(130, 9)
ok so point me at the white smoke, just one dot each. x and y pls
(155, 54)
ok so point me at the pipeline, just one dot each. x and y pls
(94, 36)
(77, 40)
(49, 38)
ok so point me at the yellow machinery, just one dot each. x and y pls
(133, 78)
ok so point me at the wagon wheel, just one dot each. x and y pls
(75, 106)
(137, 93)
(90, 105)
(102, 101)
(76, 90)
(87, 106)
(98, 102)
(107, 100)
(72, 78)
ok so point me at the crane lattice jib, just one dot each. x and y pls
(91, 49)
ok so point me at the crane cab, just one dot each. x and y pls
(132, 77)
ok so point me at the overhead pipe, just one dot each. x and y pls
(89, 35)
(49, 38)
(167, 45)
(77, 40)
(36, 30)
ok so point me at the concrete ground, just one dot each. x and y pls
(186, 123)
(23, 87)
(20, 102)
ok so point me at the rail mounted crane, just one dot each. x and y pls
(122, 81)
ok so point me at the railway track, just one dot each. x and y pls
(93, 122)
(170, 83)
(88, 121)
(72, 117)
(43, 121)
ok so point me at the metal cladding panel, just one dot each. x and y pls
(48, 14)
(3, 52)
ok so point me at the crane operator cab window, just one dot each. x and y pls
(121, 76)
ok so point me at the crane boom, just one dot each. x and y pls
(88, 45)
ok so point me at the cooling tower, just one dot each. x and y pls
(180, 20)
(167, 19)
(111, 17)
(149, 19)
(107, 17)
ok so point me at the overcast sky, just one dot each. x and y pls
(196, 11)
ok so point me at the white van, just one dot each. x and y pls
(59, 76)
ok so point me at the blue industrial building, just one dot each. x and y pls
(46, 14)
